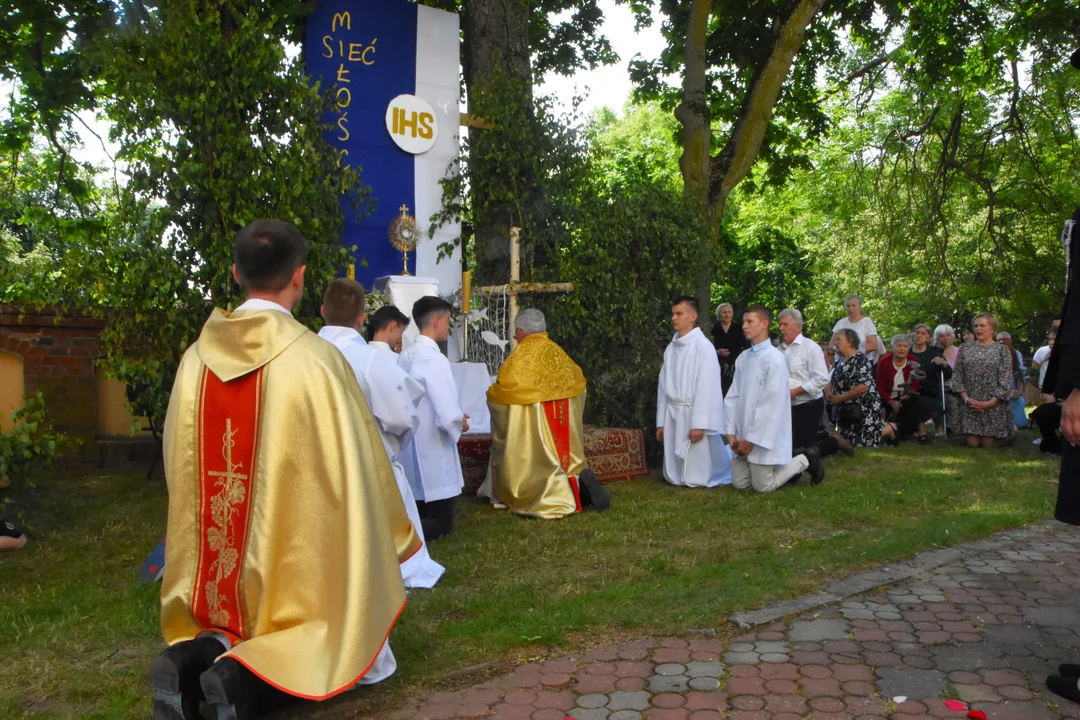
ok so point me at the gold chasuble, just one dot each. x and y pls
(537, 434)
(286, 527)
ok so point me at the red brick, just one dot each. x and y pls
(549, 715)
(783, 687)
(588, 684)
(520, 697)
(934, 637)
(742, 671)
(706, 701)
(747, 702)
(1002, 677)
(555, 700)
(608, 654)
(857, 687)
(817, 672)
(599, 668)
(785, 704)
(668, 700)
(827, 704)
(745, 686)
(625, 668)
(911, 707)
(671, 655)
(484, 697)
(664, 714)
(477, 710)
(560, 666)
(1014, 692)
(706, 715)
(630, 684)
(865, 705)
(817, 688)
(779, 671)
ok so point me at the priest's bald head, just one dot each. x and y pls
(269, 259)
(529, 322)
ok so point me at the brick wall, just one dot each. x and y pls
(58, 359)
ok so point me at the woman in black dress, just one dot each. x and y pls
(729, 340)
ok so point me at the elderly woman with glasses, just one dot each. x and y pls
(898, 378)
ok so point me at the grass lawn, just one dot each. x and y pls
(79, 633)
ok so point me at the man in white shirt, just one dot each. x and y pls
(392, 396)
(757, 415)
(385, 328)
(690, 405)
(869, 343)
(1040, 361)
(807, 378)
(431, 462)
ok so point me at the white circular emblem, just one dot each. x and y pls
(411, 123)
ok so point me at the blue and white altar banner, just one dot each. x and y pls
(395, 66)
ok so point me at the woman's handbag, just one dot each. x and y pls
(849, 413)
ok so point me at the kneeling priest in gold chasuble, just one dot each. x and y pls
(537, 432)
(286, 527)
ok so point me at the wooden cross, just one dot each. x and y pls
(515, 287)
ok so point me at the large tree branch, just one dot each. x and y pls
(734, 162)
(693, 112)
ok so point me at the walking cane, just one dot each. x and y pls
(944, 407)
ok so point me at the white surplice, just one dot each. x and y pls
(758, 404)
(431, 460)
(690, 398)
(392, 396)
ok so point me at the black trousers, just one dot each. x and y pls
(806, 430)
(913, 411)
(437, 517)
(1047, 417)
(1068, 499)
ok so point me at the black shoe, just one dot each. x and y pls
(1064, 686)
(174, 675)
(924, 440)
(816, 466)
(231, 690)
(593, 493)
(1069, 669)
(842, 442)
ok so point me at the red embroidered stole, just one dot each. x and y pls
(228, 433)
(557, 413)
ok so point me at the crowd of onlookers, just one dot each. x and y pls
(926, 383)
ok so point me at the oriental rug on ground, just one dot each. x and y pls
(612, 453)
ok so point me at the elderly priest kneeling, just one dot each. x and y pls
(537, 463)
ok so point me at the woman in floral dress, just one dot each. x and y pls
(853, 382)
(983, 379)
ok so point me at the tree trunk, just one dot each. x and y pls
(496, 40)
(709, 181)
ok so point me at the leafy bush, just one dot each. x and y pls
(32, 446)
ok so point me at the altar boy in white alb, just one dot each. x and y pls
(432, 463)
(392, 396)
(690, 405)
(757, 415)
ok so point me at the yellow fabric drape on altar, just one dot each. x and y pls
(527, 473)
(319, 580)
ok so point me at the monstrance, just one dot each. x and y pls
(403, 236)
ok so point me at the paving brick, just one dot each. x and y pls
(561, 666)
(860, 706)
(743, 671)
(551, 699)
(504, 711)
(1002, 677)
(599, 668)
(548, 715)
(910, 683)
(785, 704)
(706, 701)
(666, 714)
(594, 700)
(520, 697)
(596, 684)
(704, 683)
(633, 669)
(608, 654)
(817, 688)
(705, 669)
(745, 686)
(667, 683)
(779, 671)
(747, 702)
(976, 693)
(706, 715)
(632, 684)
(668, 700)
(620, 700)
(817, 672)
(588, 714)
(911, 707)
(482, 697)
(1014, 692)
(810, 658)
(827, 704)
(671, 655)
(555, 679)
(670, 669)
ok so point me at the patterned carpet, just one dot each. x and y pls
(612, 453)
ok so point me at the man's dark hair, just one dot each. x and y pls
(383, 317)
(1056, 318)
(344, 302)
(761, 311)
(691, 301)
(267, 253)
(428, 307)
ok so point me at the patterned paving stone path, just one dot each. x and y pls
(985, 630)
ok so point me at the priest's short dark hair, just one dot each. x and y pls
(266, 254)
(383, 317)
(344, 302)
(428, 307)
(689, 300)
